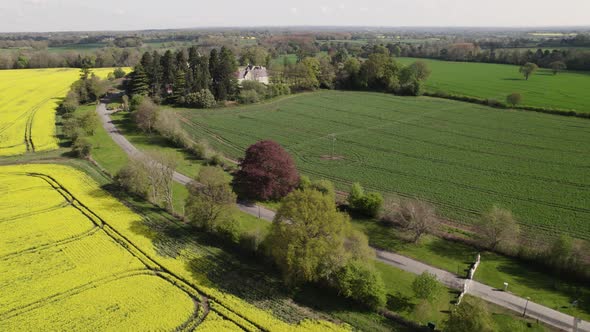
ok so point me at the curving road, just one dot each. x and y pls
(505, 299)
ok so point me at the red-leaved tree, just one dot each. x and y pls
(266, 172)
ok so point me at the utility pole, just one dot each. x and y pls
(333, 136)
(525, 306)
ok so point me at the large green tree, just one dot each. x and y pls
(307, 237)
(528, 69)
(471, 315)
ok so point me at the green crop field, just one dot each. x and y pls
(567, 90)
(464, 158)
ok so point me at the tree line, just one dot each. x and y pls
(189, 78)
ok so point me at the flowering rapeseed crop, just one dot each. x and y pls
(75, 258)
(28, 100)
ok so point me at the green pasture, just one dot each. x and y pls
(567, 90)
(462, 157)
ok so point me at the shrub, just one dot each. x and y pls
(210, 202)
(471, 315)
(119, 73)
(251, 240)
(266, 172)
(135, 102)
(70, 103)
(216, 160)
(259, 88)
(326, 187)
(146, 115)
(360, 281)
(514, 99)
(201, 99)
(132, 179)
(498, 226)
(278, 89)
(418, 217)
(368, 204)
(200, 149)
(82, 147)
(427, 287)
(248, 97)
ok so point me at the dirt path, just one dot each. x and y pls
(504, 299)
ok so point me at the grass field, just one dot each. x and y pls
(567, 90)
(28, 102)
(462, 157)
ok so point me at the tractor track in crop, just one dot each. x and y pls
(151, 265)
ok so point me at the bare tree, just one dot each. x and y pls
(498, 226)
(418, 217)
(211, 199)
(146, 115)
(158, 168)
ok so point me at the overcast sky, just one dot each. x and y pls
(58, 15)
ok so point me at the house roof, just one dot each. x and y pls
(255, 71)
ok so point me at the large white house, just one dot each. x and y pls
(253, 73)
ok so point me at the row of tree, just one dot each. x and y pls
(186, 77)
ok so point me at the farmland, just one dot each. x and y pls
(27, 107)
(567, 90)
(61, 262)
(462, 157)
(78, 245)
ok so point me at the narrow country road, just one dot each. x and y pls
(499, 297)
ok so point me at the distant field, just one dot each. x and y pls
(462, 157)
(568, 90)
(28, 100)
(66, 270)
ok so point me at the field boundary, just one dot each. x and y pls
(500, 105)
(152, 266)
(193, 291)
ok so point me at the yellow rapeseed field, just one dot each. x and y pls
(28, 101)
(60, 269)
(75, 258)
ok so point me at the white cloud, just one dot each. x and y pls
(293, 10)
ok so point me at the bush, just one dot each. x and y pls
(251, 240)
(119, 73)
(216, 160)
(498, 226)
(417, 217)
(200, 149)
(146, 115)
(326, 187)
(361, 282)
(132, 179)
(70, 103)
(427, 287)
(514, 99)
(248, 97)
(368, 204)
(135, 102)
(260, 88)
(82, 147)
(471, 315)
(201, 99)
(278, 89)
